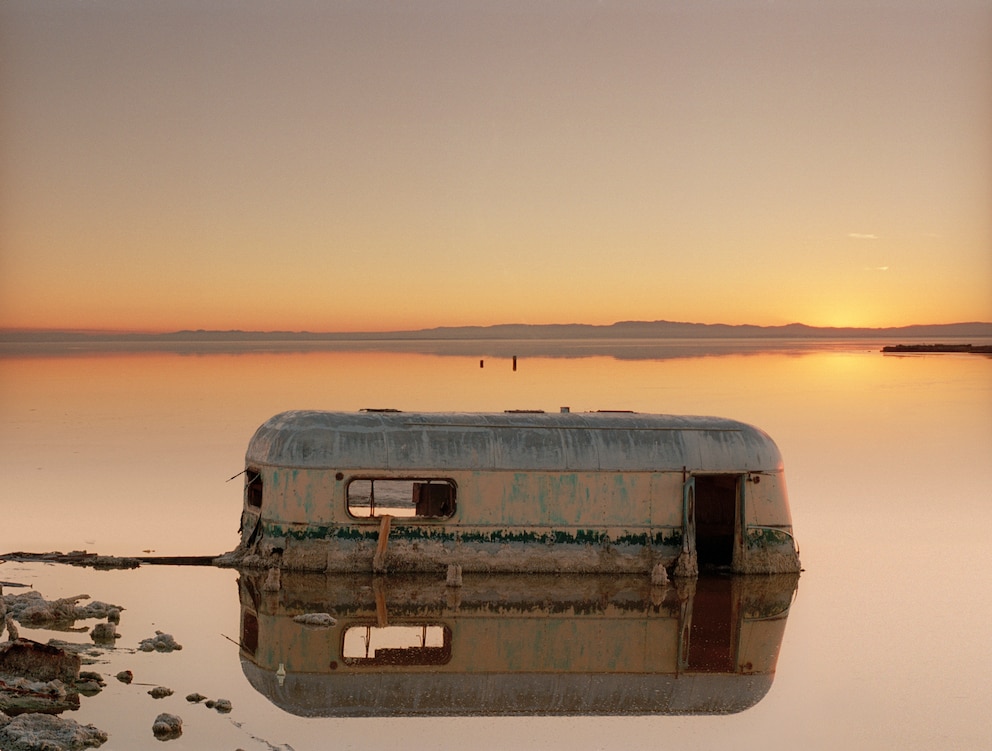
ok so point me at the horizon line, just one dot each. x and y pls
(96, 332)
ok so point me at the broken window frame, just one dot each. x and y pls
(355, 506)
(399, 656)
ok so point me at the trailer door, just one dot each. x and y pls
(716, 503)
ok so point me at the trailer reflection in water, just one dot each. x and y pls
(513, 645)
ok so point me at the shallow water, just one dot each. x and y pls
(884, 646)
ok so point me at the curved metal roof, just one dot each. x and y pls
(572, 441)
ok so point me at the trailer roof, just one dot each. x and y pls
(514, 441)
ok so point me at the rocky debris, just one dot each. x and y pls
(76, 558)
(125, 676)
(104, 633)
(39, 678)
(195, 698)
(160, 692)
(32, 609)
(221, 705)
(89, 683)
(88, 653)
(19, 695)
(43, 662)
(43, 732)
(159, 643)
(167, 727)
(319, 620)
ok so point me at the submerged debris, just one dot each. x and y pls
(167, 727)
(221, 705)
(104, 633)
(39, 678)
(76, 558)
(19, 695)
(90, 683)
(43, 662)
(32, 609)
(38, 681)
(43, 732)
(159, 643)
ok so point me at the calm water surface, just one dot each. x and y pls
(885, 644)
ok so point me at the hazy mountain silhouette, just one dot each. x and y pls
(622, 330)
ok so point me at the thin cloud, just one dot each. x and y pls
(876, 268)
(862, 236)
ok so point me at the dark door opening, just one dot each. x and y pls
(716, 518)
(713, 633)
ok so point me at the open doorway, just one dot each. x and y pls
(716, 518)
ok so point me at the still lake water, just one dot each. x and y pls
(888, 461)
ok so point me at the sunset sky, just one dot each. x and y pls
(336, 166)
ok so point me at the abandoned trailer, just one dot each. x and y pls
(602, 492)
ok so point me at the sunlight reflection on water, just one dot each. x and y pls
(886, 460)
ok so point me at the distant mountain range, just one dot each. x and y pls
(622, 330)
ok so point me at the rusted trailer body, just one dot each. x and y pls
(513, 492)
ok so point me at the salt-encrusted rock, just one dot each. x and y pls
(19, 695)
(104, 633)
(114, 615)
(195, 698)
(40, 661)
(167, 726)
(90, 683)
(43, 732)
(319, 620)
(223, 705)
(31, 609)
(159, 643)
(160, 692)
(125, 676)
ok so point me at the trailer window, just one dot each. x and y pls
(416, 497)
(421, 644)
